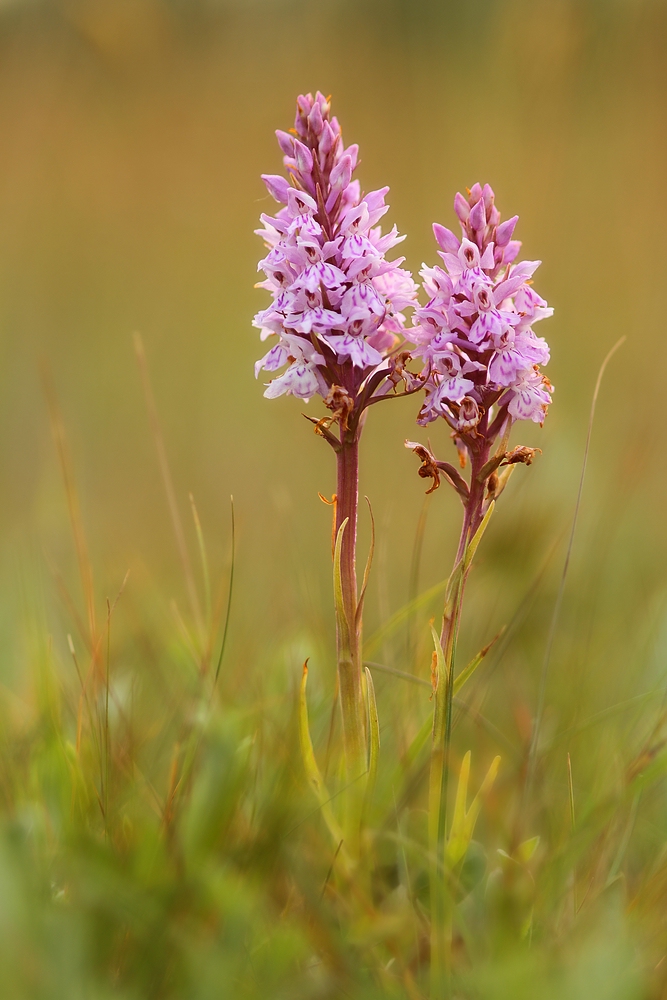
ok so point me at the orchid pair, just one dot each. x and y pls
(337, 328)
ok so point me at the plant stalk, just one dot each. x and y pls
(441, 903)
(348, 635)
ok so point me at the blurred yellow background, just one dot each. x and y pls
(132, 136)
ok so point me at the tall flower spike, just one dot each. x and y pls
(338, 303)
(336, 323)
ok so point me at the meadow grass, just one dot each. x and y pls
(159, 837)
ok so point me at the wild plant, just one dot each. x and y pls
(481, 374)
(337, 321)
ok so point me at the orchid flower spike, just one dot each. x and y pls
(337, 310)
(475, 334)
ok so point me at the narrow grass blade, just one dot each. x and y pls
(570, 787)
(464, 820)
(376, 639)
(331, 503)
(625, 840)
(532, 754)
(403, 674)
(503, 480)
(442, 667)
(418, 742)
(310, 764)
(415, 565)
(457, 844)
(470, 669)
(438, 743)
(204, 560)
(168, 482)
(604, 714)
(477, 537)
(367, 570)
(527, 848)
(437, 792)
(228, 613)
(107, 731)
(374, 733)
(453, 589)
(339, 604)
(484, 789)
(74, 507)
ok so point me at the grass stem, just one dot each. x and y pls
(532, 753)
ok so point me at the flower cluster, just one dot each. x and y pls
(337, 309)
(475, 333)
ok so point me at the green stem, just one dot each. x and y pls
(442, 911)
(349, 643)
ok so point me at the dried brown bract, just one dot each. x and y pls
(429, 467)
(521, 454)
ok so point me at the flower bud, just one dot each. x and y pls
(469, 415)
(277, 186)
(327, 139)
(286, 142)
(462, 208)
(478, 217)
(504, 231)
(446, 239)
(489, 198)
(315, 119)
(304, 157)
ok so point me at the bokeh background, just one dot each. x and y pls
(132, 137)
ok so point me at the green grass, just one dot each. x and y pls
(158, 837)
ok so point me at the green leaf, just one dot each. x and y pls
(418, 743)
(310, 764)
(401, 615)
(367, 570)
(440, 706)
(503, 479)
(467, 672)
(437, 770)
(465, 819)
(442, 667)
(526, 849)
(470, 669)
(490, 467)
(457, 844)
(341, 617)
(471, 548)
(374, 730)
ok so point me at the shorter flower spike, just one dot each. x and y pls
(475, 334)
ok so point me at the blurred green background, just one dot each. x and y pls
(132, 136)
